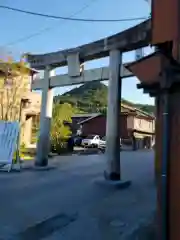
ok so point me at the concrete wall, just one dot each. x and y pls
(11, 97)
(29, 112)
(141, 124)
(144, 125)
(35, 102)
(130, 122)
(26, 131)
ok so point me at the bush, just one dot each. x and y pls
(22, 151)
(34, 139)
(59, 146)
(60, 131)
(22, 148)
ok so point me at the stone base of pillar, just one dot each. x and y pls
(43, 168)
(42, 163)
(118, 184)
(112, 180)
(113, 176)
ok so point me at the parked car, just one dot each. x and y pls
(91, 141)
(102, 143)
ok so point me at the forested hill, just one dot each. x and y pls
(92, 97)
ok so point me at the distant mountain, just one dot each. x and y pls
(92, 97)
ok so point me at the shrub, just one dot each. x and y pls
(60, 132)
(22, 148)
(22, 151)
(59, 146)
(34, 139)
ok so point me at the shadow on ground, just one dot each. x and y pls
(65, 204)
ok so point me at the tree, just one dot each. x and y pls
(14, 79)
(61, 125)
(92, 97)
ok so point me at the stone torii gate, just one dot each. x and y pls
(76, 75)
(159, 74)
(113, 46)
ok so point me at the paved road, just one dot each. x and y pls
(66, 203)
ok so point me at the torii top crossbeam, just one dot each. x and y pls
(130, 39)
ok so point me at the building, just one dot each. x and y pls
(17, 102)
(77, 118)
(133, 122)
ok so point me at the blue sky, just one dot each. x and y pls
(65, 34)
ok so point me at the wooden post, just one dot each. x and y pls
(173, 176)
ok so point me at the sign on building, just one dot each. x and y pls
(8, 141)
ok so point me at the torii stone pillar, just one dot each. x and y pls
(113, 172)
(43, 145)
(113, 111)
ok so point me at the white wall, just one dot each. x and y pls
(130, 122)
(144, 125)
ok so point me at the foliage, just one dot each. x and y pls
(22, 151)
(92, 97)
(61, 126)
(146, 108)
(23, 147)
(13, 85)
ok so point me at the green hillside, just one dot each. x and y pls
(92, 97)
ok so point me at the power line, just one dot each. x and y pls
(26, 38)
(22, 39)
(70, 18)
